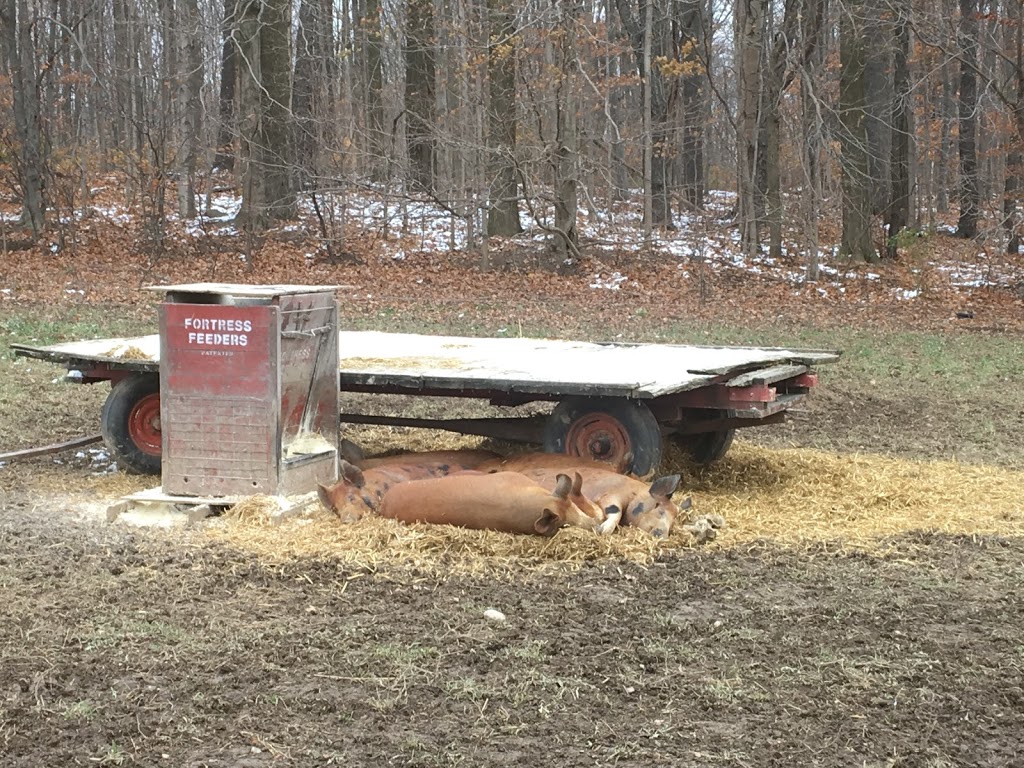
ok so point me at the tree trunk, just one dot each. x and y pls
(652, 52)
(265, 105)
(566, 137)
(503, 208)
(1011, 189)
(225, 156)
(310, 89)
(898, 212)
(276, 65)
(192, 116)
(377, 134)
(25, 87)
(615, 65)
(419, 91)
(693, 29)
(648, 122)
(967, 42)
(942, 164)
(857, 191)
(814, 141)
(772, 154)
(878, 92)
(749, 42)
(1013, 45)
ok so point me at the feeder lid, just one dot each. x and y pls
(236, 289)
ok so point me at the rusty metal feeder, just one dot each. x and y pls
(248, 389)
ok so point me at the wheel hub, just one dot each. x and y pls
(144, 424)
(598, 436)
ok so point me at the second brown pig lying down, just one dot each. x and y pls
(440, 462)
(500, 501)
(647, 506)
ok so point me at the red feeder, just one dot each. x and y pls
(248, 389)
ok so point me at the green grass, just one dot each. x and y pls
(80, 710)
(118, 632)
(40, 326)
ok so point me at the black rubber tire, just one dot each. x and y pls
(621, 426)
(707, 447)
(121, 411)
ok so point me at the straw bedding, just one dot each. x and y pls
(795, 497)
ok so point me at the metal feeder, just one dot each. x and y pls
(248, 389)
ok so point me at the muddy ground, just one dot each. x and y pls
(130, 647)
(140, 646)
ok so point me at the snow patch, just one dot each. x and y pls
(612, 283)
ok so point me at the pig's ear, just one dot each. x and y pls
(563, 487)
(325, 496)
(351, 452)
(352, 474)
(548, 523)
(664, 487)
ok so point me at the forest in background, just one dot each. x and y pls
(863, 122)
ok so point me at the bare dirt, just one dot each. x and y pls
(133, 647)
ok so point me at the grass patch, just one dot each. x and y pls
(80, 710)
(41, 325)
(153, 635)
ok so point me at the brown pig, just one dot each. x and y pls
(499, 501)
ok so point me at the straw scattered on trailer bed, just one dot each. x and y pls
(795, 497)
(127, 352)
(396, 363)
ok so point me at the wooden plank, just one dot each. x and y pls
(767, 375)
(157, 495)
(137, 353)
(78, 442)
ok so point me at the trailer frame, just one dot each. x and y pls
(707, 393)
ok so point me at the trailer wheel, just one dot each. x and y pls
(605, 429)
(707, 447)
(130, 422)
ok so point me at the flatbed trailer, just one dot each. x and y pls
(614, 401)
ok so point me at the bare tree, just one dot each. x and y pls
(20, 46)
(898, 211)
(420, 91)
(1010, 89)
(750, 33)
(225, 156)
(502, 50)
(190, 96)
(857, 191)
(566, 137)
(693, 30)
(659, 76)
(793, 41)
(264, 69)
(967, 38)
